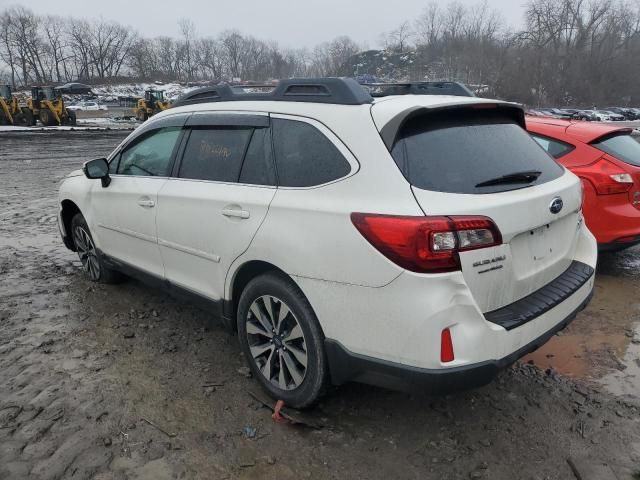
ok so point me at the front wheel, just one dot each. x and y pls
(92, 262)
(282, 340)
(71, 118)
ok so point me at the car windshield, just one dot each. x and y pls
(471, 151)
(622, 146)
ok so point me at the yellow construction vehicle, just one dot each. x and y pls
(152, 103)
(10, 111)
(47, 105)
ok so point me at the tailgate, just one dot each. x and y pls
(538, 245)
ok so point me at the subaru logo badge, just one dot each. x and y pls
(556, 205)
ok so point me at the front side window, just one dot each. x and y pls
(555, 148)
(215, 154)
(305, 157)
(151, 155)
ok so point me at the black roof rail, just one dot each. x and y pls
(418, 88)
(339, 91)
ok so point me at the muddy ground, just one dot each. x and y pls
(123, 382)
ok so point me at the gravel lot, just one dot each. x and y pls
(123, 382)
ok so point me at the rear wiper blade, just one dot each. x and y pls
(517, 177)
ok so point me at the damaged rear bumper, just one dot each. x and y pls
(347, 366)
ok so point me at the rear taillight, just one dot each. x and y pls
(606, 177)
(426, 244)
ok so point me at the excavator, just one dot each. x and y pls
(10, 111)
(152, 103)
(47, 105)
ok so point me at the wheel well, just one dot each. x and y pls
(243, 276)
(69, 210)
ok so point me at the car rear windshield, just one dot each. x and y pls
(469, 151)
(622, 146)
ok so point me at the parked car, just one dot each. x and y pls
(344, 237)
(607, 159)
(560, 113)
(586, 115)
(609, 116)
(636, 111)
(88, 106)
(570, 112)
(627, 113)
(75, 88)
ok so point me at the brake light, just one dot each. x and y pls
(426, 244)
(446, 347)
(606, 177)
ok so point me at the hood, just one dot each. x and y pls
(75, 173)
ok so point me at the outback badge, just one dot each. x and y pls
(556, 205)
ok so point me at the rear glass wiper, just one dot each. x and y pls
(518, 177)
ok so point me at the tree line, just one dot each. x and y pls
(568, 52)
(46, 48)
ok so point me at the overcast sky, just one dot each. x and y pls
(292, 23)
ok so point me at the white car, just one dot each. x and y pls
(609, 116)
(407, 241)
(88, 106)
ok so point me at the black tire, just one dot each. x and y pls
(71, 118)
(21, 120)
(92, 262)
(46, 118)
(309, 390)
(29, 118)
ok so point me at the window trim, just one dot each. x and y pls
(331, 136)
(553, 139)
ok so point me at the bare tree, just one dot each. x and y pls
(398, 40)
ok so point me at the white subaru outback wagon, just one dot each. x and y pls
(408, 241)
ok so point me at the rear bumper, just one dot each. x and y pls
(346, 366)
(620, 244)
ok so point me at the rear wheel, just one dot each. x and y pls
(92, 262)
(282, 340)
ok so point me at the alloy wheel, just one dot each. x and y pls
(87, 252)
(276, 342)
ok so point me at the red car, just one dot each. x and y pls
(607, 159)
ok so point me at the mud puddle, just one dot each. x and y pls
(602, 345)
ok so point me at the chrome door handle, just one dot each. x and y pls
(147, 203)
(232, 212)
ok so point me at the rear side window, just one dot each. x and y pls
(555, 148)
(305, 156)
(622, 146)
(257, 168)
(215, 154)
(471, 151)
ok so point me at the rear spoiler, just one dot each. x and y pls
(390, 130)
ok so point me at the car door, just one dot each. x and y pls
(124, 213)
(219, 195)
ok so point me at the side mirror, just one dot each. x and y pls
(97, 169)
